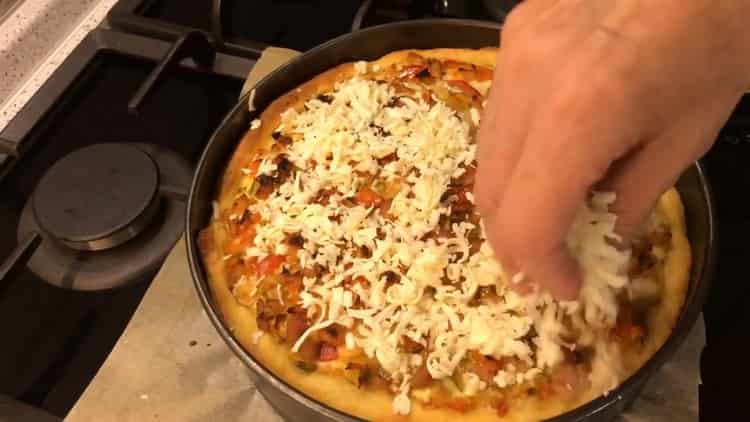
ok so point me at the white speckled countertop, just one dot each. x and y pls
(35, 38)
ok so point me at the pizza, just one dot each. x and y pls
(346, 255)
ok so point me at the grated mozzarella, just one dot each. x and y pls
(335, 140)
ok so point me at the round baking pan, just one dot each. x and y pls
(370, 44)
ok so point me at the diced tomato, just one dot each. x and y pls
(324, 196)
(485, 367)
(483, 73)
(410, 345)
(328, 352)
(462, 204)
(635, 332)
(422, 377)
(501, 407)
(264, 191)
(241, 240)
(239, 206)
(251, 265)
(625, 328)
(269, 264)
(467, 178)
(296, 324)
(368, 197)
(349, 282)
(412, 71)
(253, 167)
(293, 285)
(313, 271)
(464, 87)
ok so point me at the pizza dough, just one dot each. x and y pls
(347, 257)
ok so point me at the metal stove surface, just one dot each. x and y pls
(245, 27)
(55, 339)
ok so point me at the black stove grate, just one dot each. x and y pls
(197, 16)
(247, 27)
(54, 340)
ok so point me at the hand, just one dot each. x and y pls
(617, 95)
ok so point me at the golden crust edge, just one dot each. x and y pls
(676, 275)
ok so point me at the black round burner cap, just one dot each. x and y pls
(97, 197)
(133, 261)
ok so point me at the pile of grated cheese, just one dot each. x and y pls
(333, 140)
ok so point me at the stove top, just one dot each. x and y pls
(98, 231)
(246, 27)
(60, 313)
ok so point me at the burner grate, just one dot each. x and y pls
(54, 339)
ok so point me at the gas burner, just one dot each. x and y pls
(98, 197)
(107, 214)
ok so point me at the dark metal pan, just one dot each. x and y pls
(370, 44)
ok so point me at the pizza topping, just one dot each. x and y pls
(464, 87)
(421, 377)
(328, 352)
(370, 209)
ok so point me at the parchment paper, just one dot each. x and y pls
(171, 365)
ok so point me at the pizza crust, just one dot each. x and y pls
(675, 278)
(334, 390)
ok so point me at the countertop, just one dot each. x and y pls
(170, 364)
(35, 37)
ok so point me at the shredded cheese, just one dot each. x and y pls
(337, 139)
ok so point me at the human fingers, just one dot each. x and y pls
(504, 127)
(642, 176)
(566, 152)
